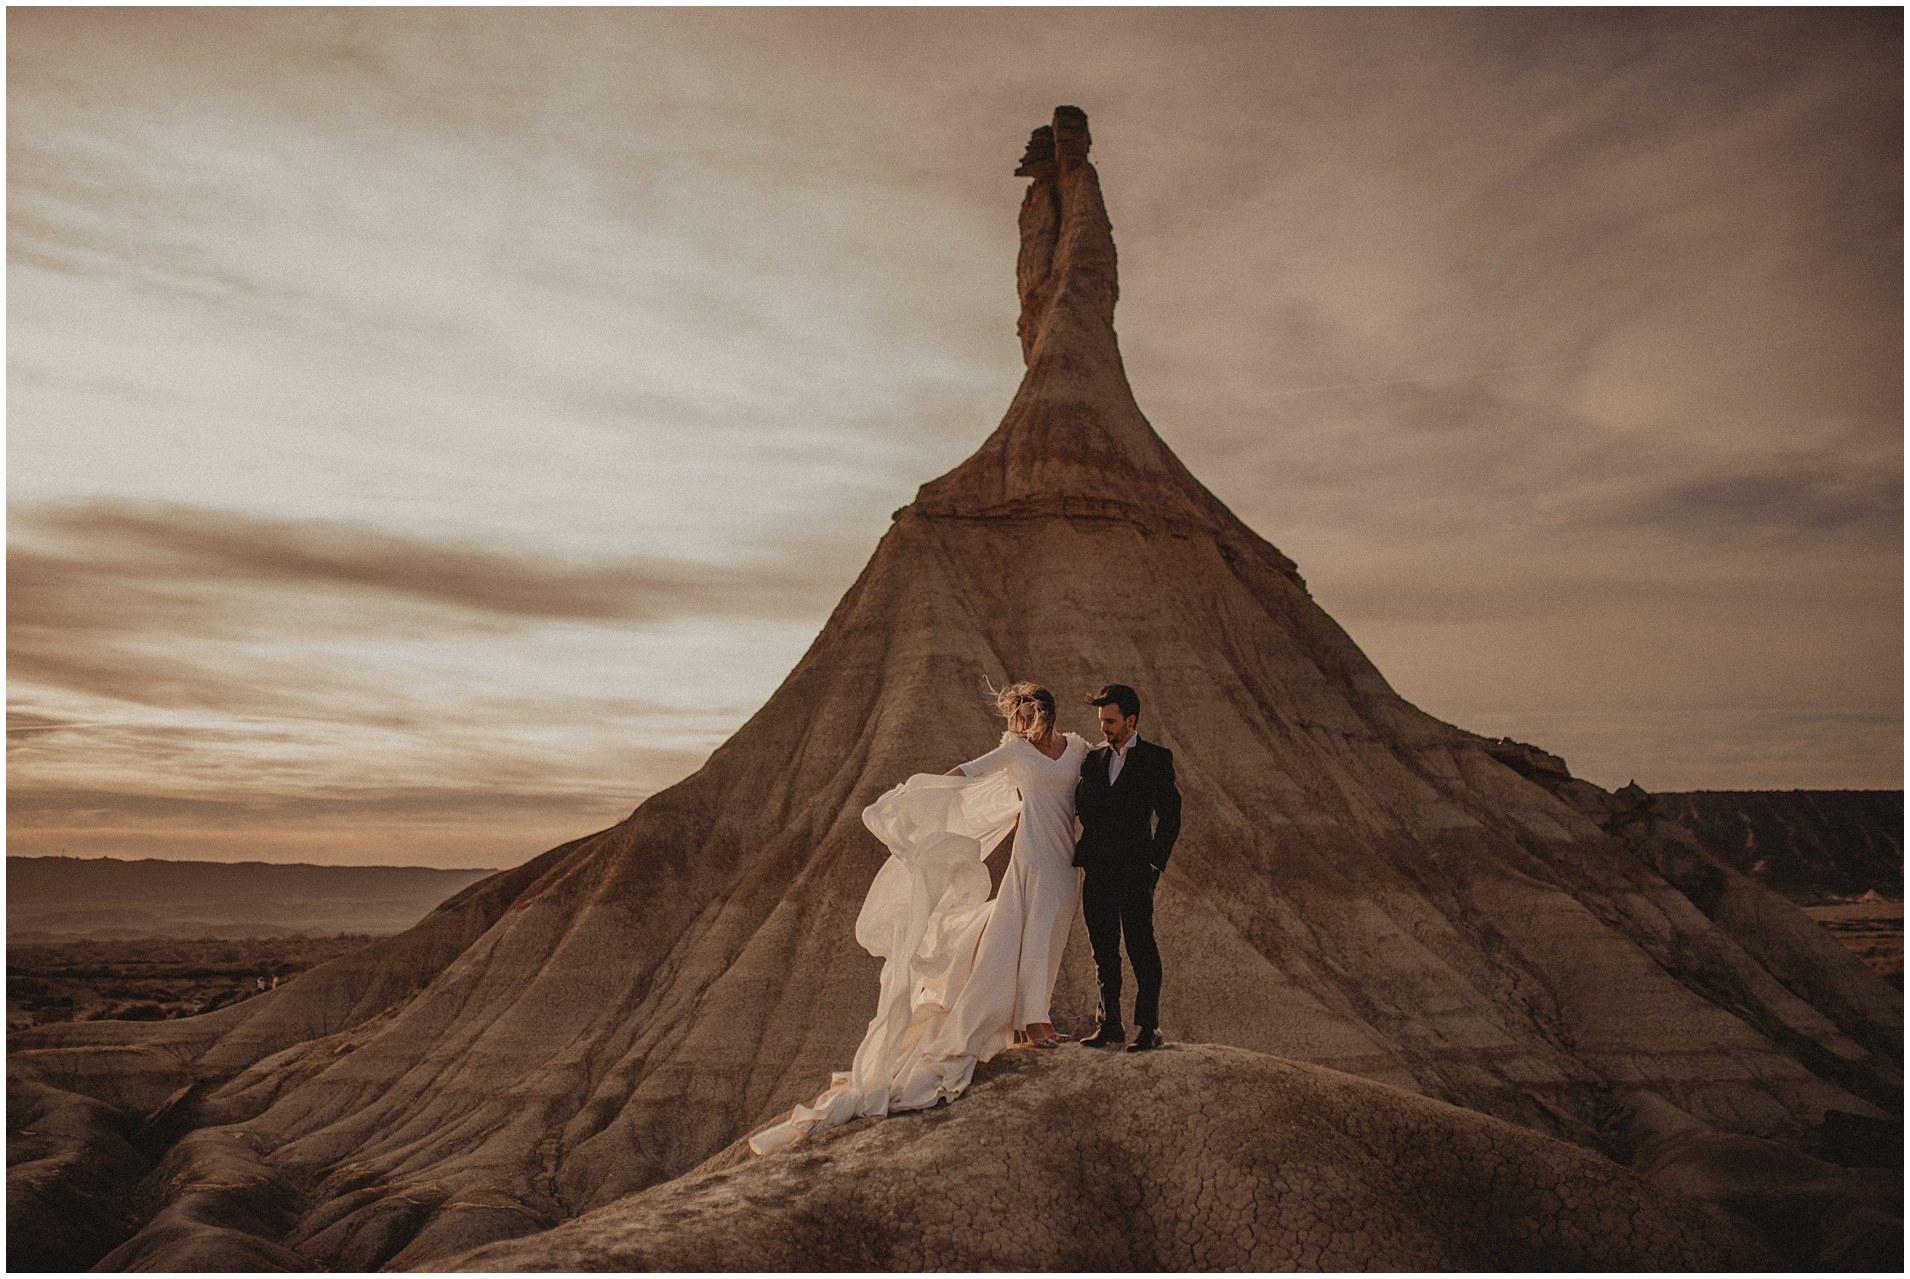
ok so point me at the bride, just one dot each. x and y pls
(961, 973)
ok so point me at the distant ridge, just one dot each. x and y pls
(1813, 846)
(56, 898)
(191, 861)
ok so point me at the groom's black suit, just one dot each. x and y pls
(1123, 849)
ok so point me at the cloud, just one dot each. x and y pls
(40, 806)
(448, 826)
(462, 783)
(25, 726)
(132, 566)
(188, 648)
(1790, 499)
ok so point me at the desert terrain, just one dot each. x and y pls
(69, 898)
(1872, 929)
(154, 978)
(158, 939)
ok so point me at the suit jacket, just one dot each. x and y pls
(1118, 822)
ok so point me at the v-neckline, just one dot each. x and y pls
(1052, 759)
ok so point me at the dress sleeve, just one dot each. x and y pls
(994, 761)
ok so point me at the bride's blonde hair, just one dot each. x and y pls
(1016, 698)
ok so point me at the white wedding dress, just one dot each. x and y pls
(960, 972)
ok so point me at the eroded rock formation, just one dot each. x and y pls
(1810, 845)
(1358, 886)
(1195, 1158)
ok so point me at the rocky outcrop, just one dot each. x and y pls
(1809, 845)
(1810, 1213)
(1358, 886)
(71, 1169)
(1195, 1158)
(1788, 947)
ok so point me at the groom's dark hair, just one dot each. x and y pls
(1118, 694)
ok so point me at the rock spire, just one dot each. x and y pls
(1074, 443)
(1066, 270)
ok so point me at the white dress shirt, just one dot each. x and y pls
(1118, 756)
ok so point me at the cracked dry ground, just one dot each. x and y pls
(1199, 1157)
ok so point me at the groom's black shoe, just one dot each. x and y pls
(1146, 1040)
(1106, 1037)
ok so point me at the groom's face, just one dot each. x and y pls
(1116, 727)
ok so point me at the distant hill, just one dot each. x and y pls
(52, 898)
(1811, 845)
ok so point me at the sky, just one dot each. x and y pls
(431, 431)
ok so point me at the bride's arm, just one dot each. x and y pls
(993, 761)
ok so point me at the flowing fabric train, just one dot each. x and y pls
(923, 917)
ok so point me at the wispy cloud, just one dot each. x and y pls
(1432, 379)
(1782, 501)
(469, 826)
(229, 683)
(334, 629)
(165, 551)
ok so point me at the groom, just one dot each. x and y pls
(1125, 786)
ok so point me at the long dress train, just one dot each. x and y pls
(960, 971)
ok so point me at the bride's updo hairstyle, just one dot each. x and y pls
(1028, 708)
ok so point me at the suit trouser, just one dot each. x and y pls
(1117, 901)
